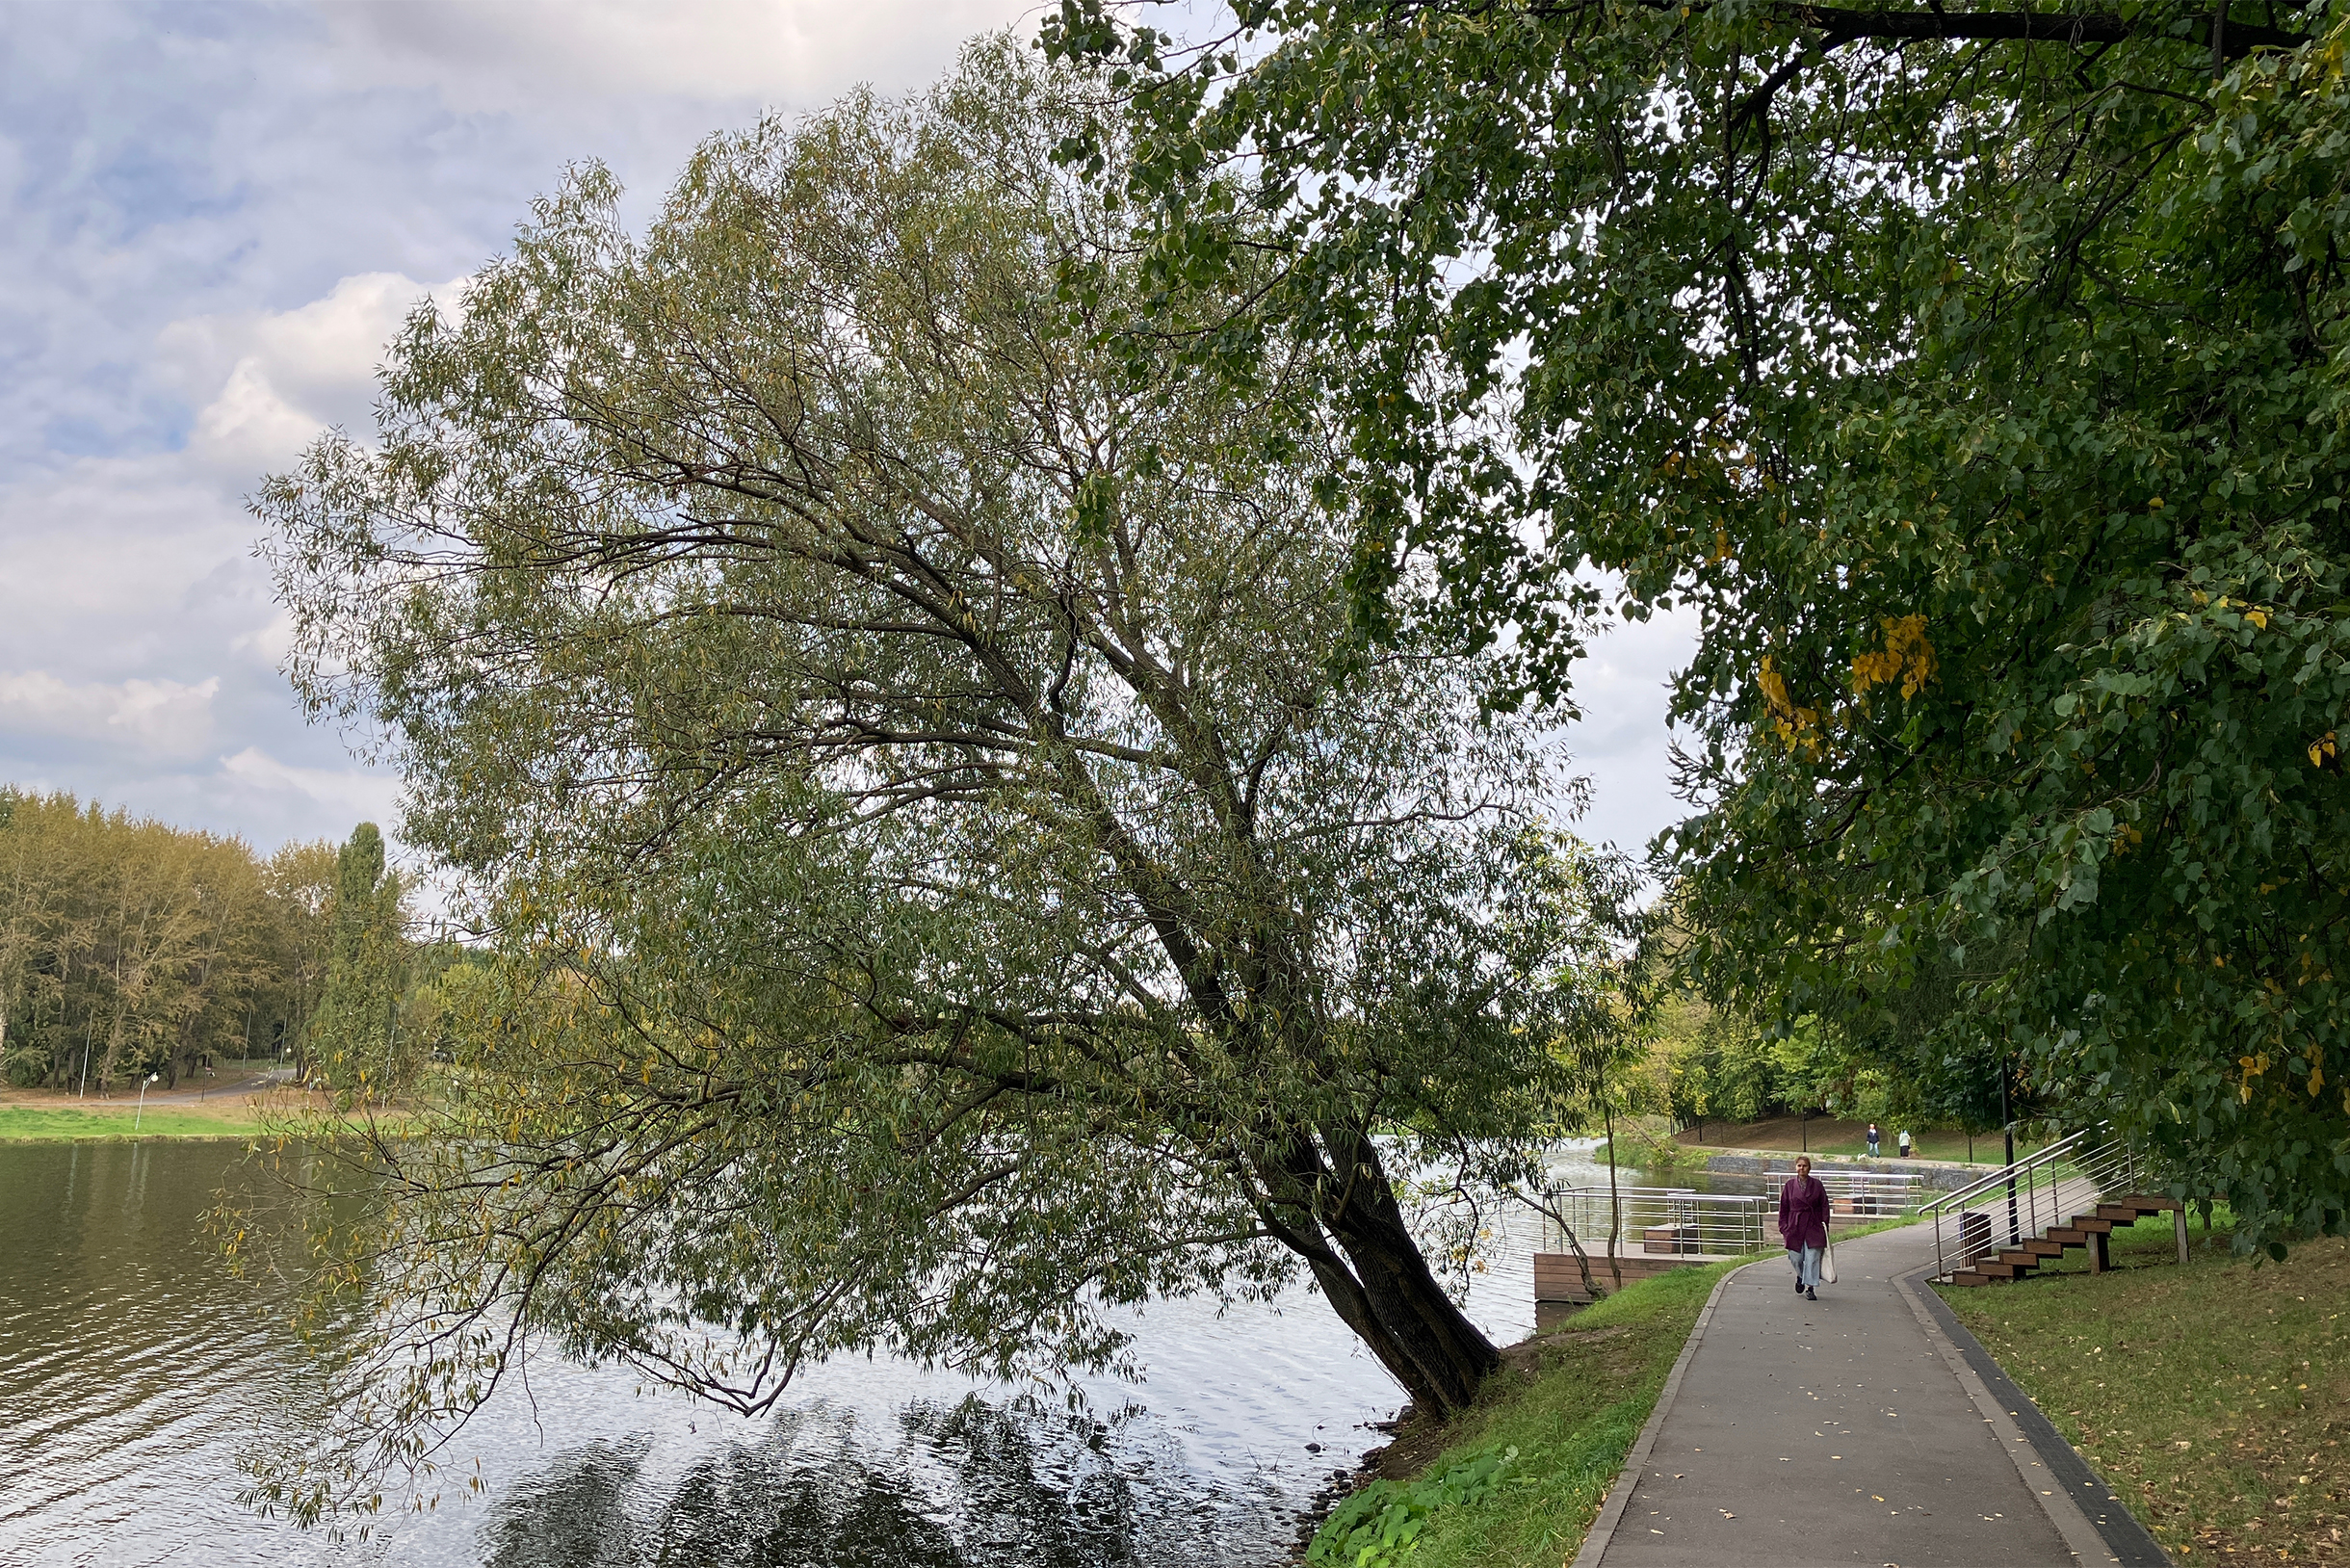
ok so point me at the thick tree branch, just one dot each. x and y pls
(1847, 26)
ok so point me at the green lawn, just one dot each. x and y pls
(1828, 1136)
(57, 1123)
(2214, 1398)
(1573, 1416)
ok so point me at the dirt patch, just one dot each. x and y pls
(1529, 1356)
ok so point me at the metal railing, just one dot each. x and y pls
(2022, 1200)
(1868, 1194)
(1657, 1219)
(1679, 1219)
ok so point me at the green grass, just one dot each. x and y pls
(20, 1123)
(1848, 1139)
(1573, 1419)
(2214, 1398)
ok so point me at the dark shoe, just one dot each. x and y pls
(1799, 1287)
(1810, 1296)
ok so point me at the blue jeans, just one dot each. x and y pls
(1807, 1265)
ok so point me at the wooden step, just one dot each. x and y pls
(2145, 1203)
(2072, 1234)
(2001, 1270)
(2122, 1214)
(1970, 1276)
(2045, 1246)
(2092, 1224)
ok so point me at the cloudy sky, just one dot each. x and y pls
(211, 219)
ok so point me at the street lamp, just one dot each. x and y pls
(142, 1089)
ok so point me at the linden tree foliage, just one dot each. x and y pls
(939, 886)
(1974, 377)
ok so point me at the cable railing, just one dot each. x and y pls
(1657, 1219)
(1683, 1221)
(2022, 1200)
(1860, 1195)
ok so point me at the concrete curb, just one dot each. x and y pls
(1619, 1496)
(2032, 1444)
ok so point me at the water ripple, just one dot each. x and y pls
(134, 1369)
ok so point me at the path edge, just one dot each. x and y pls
(1619, 1496)
(2124, 1541)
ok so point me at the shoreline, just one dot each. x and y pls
(1568, 1403)
(46, 1139)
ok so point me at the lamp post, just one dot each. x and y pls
(2015, 1230)
(141, 1115)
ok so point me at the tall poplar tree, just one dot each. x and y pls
(353, 1032)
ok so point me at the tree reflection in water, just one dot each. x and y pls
(1014, 1485)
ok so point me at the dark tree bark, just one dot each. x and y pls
(1344, 1222)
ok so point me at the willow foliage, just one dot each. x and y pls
(948, 877)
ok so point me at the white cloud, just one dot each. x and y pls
(267, 381)
(212, 219)
(1621, 741)
(797, 53)
(160, 719)
(346, 795)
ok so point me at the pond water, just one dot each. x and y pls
(134, 1370)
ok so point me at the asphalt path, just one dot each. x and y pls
(1842, 1431)
(198, 1090)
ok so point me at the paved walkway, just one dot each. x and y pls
(1830, 1433)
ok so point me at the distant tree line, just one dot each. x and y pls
(130, 946)
(1914, 1054)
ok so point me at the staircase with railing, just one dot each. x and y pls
(2069, 1194)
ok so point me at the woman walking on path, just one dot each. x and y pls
(1803, 1224)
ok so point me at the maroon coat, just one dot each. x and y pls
(1803, 1213)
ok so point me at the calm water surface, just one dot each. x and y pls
(133, 1371)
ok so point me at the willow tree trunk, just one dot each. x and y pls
(1376, 1276)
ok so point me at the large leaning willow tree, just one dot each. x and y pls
(1976, 374)
(950, 877)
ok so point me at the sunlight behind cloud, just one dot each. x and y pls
(786, 53)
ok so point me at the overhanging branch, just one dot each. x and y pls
(1842, 25)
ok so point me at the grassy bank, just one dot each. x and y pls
(2214, 1398)
(1571, 1403)
(1848, 1139)
(21, 1123)
(41, 1116)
